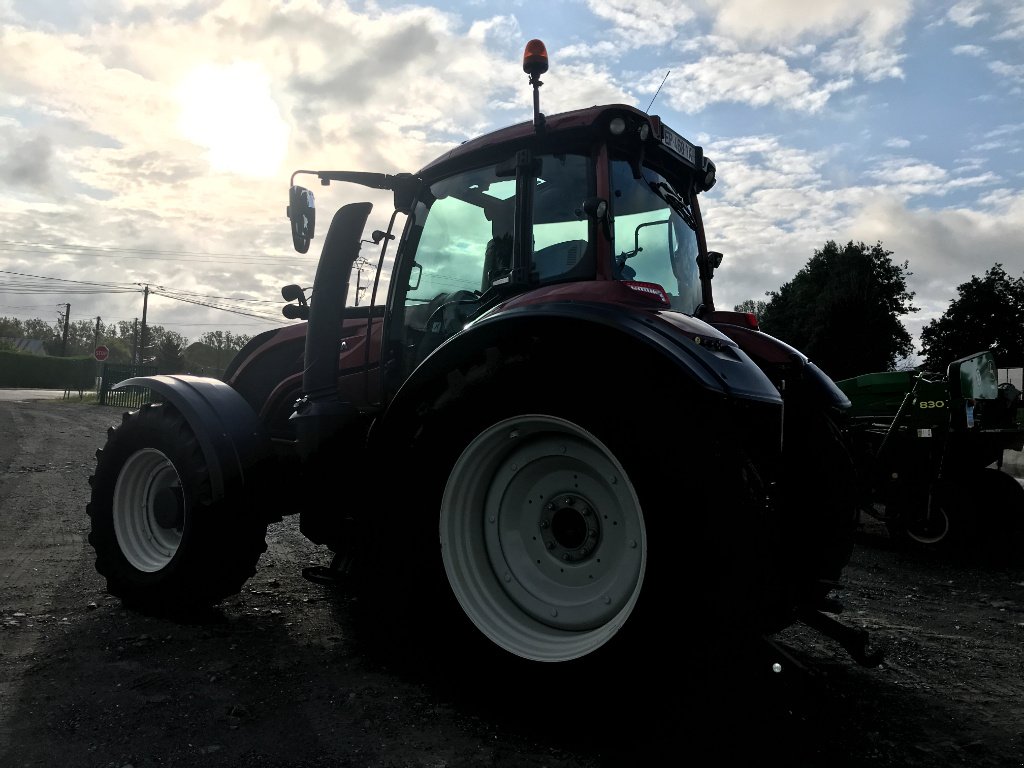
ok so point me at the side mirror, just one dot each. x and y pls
(417, 270)
(708, 264)
(295, 312)
(298, 311)
(302, 214)
(293, 293)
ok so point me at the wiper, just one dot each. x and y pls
(669, 195)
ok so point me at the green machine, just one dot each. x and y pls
(930, 449)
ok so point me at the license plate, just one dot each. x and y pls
(678, 144)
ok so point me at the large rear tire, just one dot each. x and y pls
(161, 542)
(542, 538)
(533, 525)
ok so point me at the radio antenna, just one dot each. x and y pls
(657, 91)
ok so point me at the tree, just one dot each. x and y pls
(843, 310)
(750, 305)
(224, 344)
(170, 352)
(987, 315)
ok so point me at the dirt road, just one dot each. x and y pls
(273, 679)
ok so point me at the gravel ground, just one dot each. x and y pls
(273, 677)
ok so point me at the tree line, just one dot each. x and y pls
(843, 310)
(169, 351)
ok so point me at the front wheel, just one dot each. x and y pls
(542, 538)
(941, 517)
(162, 543)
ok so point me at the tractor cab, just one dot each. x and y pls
(596, 205)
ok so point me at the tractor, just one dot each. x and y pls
(930, 449)
(537, 447)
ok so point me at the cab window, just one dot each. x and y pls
(655, 235)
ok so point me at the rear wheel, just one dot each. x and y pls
(161, 542)
(542, 538)
(531, 525)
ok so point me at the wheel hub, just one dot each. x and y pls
(569, 528)
(168, 509)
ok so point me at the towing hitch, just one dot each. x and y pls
(855, 641)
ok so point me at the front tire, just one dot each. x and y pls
(940, 517)
(162, 543)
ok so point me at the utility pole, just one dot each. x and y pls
(67, 322)
(143, 340)
(135, 342)
(96, 333)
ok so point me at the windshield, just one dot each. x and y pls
(467, 230)
(655, 236)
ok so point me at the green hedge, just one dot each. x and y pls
(35, 371)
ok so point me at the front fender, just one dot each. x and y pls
(233, 440)
(788, 367)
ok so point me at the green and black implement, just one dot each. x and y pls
(930, 448)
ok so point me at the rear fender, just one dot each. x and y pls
(616, 338)
(233, 440)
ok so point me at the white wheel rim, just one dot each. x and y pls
(148, 531)
(542, 538)
(939, 529)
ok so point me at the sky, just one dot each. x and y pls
(152, 144)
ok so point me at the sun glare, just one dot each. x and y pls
(229, 111)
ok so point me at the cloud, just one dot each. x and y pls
(849, 57)
(969, 50)
(364, 87)
(643, 22)
(966, 14)
(791, 21)
(757, 79)
(944, 248)
(27, 164)
(1012, 73)
(1012, 22)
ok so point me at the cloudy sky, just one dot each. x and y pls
(151, 144)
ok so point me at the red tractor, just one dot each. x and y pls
(538, 442)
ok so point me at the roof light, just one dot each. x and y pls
(645, 131)
(617, 126)
(709, 176)
(535, 58)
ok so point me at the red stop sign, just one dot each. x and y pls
(101, 353)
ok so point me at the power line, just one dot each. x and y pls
(115, 249)
(156, 292)
(65, 280)
(41, 284)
